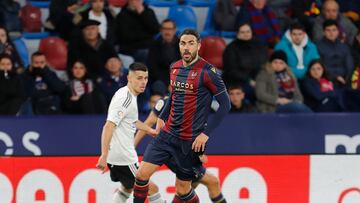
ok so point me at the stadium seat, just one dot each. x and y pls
(55, 50)
(31, 22)
(22, 50)
(40, 4)
(35, 35)
(161, 3)
(184, 16)
(200, 3)
(30, 18)
(212, 49)
(118, 3)
(209, 27)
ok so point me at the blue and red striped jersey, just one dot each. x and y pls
(191, 93)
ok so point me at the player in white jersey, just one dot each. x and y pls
(117, 139)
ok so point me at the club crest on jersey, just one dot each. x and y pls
(121, 114)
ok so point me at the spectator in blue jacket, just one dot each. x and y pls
(318, 90)
(299, 49)
(114, 77)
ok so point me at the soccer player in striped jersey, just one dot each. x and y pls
(193, 83)
(202, 176)
(117, 139)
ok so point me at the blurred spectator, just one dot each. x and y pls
(243, 59)
(61, 16)
(282, 10)
(10, 15)
(300, 51)
(335, 54)
(356, 49)
(135, 28)
(351, 9)
(154, 98)
(81, 96)
(164, 52)
(225, 9)
(91, 49)
(305, 12)
(238, 102)
(42, 86)
(114, 77)
(11, 87)
(102, 14)
(262, 19)
(277, 89)
(330, 11)
(7, 47)
(319, 91)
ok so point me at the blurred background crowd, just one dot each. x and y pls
(285, 56)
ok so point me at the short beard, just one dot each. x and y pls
(191, 59)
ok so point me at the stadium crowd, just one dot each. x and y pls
(281, 55)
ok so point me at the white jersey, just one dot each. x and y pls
(123, 112)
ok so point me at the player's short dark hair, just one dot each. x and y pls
(37, 53)
(191, 32)
(137, 66)
(329, 23)
(297, 26)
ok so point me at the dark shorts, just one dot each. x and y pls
(165, 147)
(123, 174)
(199, 170)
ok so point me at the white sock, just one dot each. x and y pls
(120, 196)
(156, 198)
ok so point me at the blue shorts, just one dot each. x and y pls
(166, 148)
(199, 170)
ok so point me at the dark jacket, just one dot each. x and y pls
(11, 93)
(246, 107)
(135, 31)
(313, 95)
(108, 86)
(94, 59)
(61, 18)
(44, 89)
(160, 57)
(243, 60)
(9, 15)
(337, 58)
(356, 53)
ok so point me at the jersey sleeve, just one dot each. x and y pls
(159, 107)
(213, 81)
(118, 108)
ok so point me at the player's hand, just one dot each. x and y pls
(199, 143)
(101, 164)
(203, 158)
(159, 125)
(152, 132)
